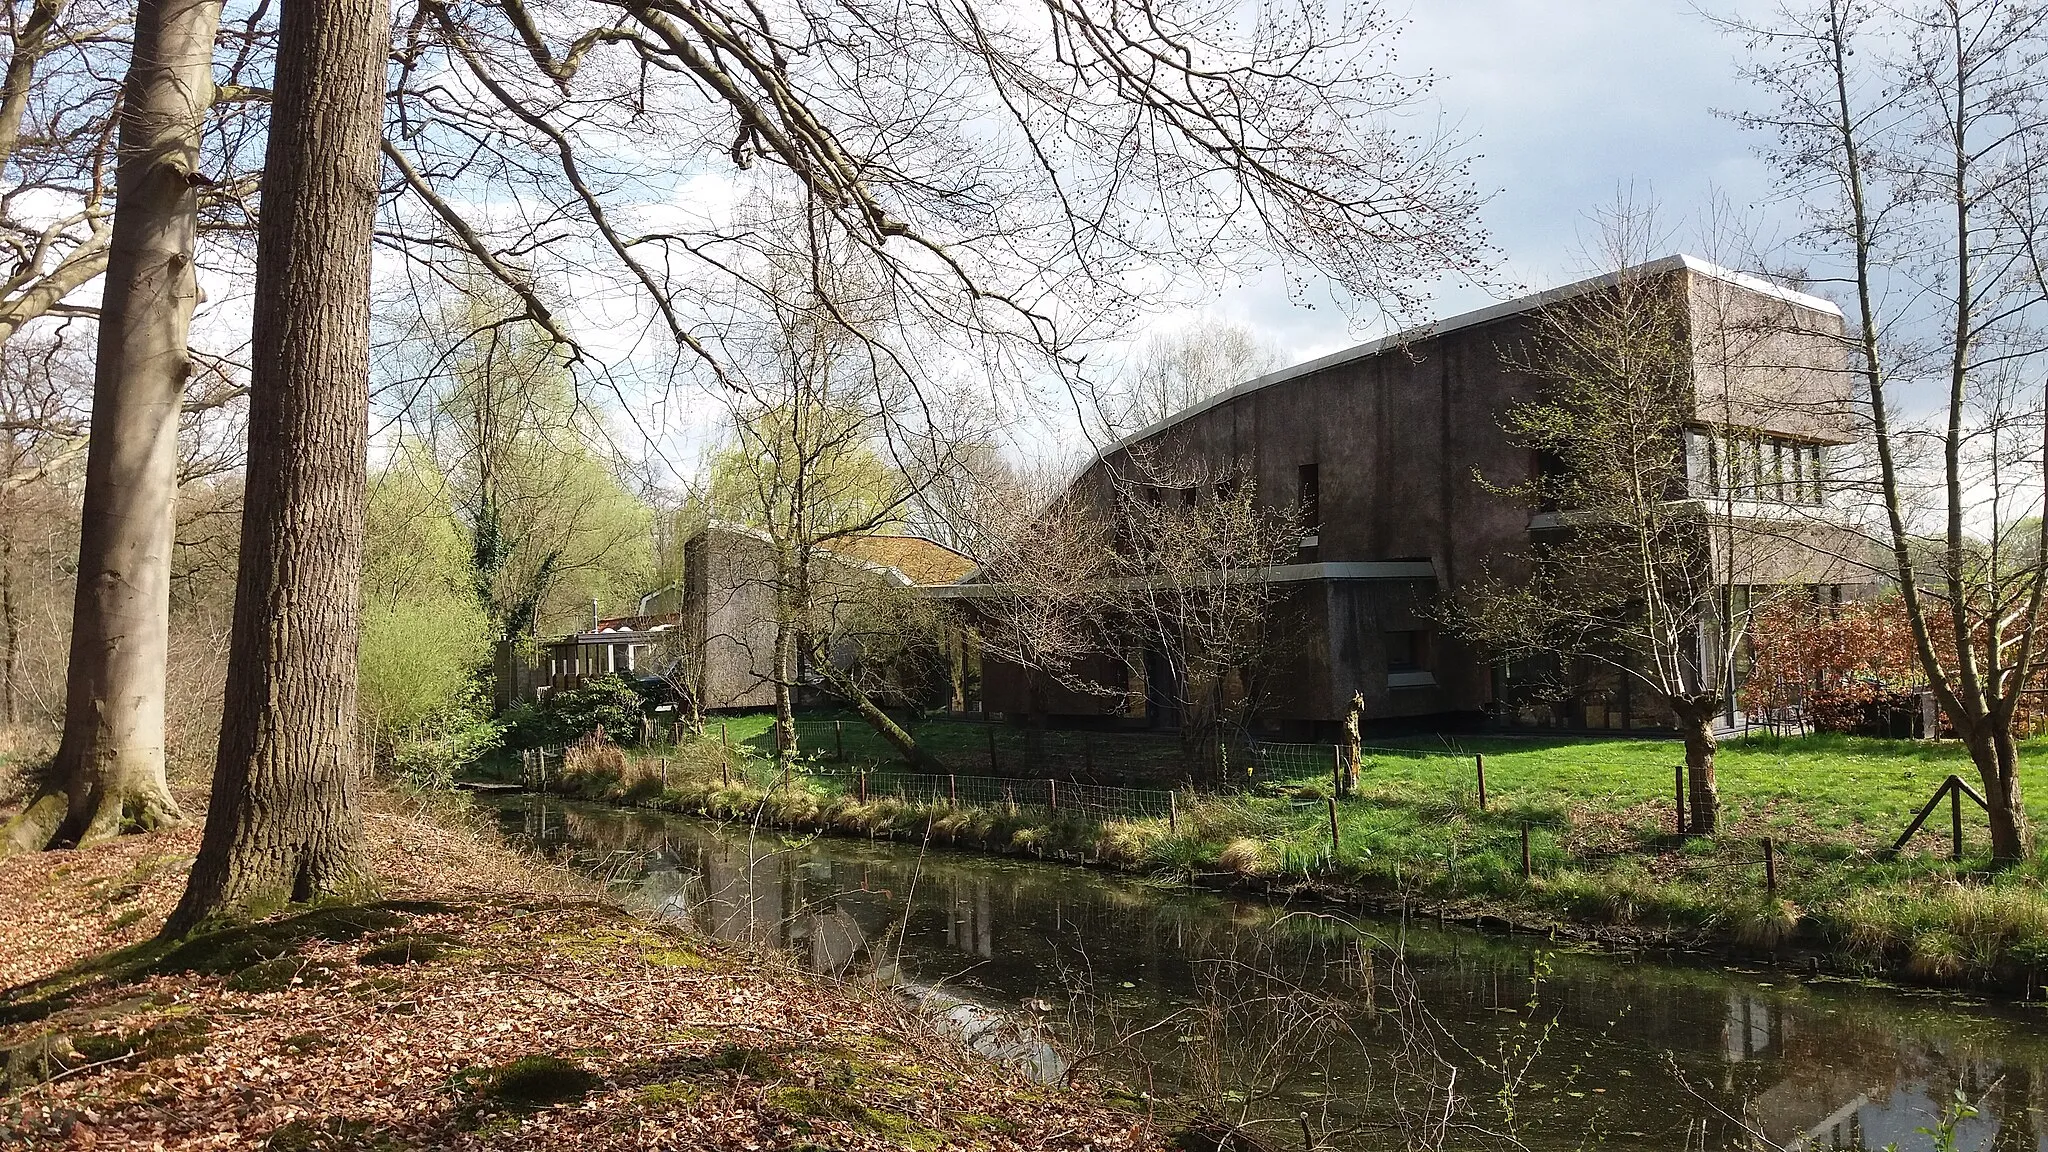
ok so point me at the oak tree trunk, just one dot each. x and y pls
(284, 820)
(1696, 724)
(109, 772)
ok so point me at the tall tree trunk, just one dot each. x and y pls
(1695, 720)
(284, 819)
(10, 621)
(110, 766)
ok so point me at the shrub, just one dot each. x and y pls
(604, 702)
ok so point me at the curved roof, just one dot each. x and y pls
(1472, 319)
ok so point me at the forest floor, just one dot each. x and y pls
(1604, 856)
(472, 999)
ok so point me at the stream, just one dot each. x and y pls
(1267, 1011)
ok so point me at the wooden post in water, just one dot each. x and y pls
(1479, 764)
(1527, 870)
(1955, 818)
(1770, 870)
(1333, 827)
(1678, 795)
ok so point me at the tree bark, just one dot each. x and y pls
(10, 620)
(785, 676)
(1696, 724)
(284, 821)
(1996, 756)
(110, 765)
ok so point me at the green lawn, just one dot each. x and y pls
(1598, 814)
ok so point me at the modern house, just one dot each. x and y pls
(730, 588)
(1381, 449)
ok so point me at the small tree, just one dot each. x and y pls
(1635, 572)
(1916, 137)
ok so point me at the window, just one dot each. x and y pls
(1754, 466)
(1404, 650)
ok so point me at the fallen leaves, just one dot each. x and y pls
(502, 1007)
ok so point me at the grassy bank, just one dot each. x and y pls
(1604, 857)
(469, 1001)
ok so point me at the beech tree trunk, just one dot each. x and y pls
(1696, 724)
(284, 821)
(109, 772)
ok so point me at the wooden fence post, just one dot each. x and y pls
(1527, 870)
(952, 790)
(1337, 769)
(993, 768)
(1770, 870)
(839, 740)
(1173, 812)
(664, 773)
(1955, 818)
(1052, 794)
(1678, 795)
(861, 783)
(1479, 763)
(1333, 828)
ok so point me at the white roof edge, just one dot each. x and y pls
(1470, 319)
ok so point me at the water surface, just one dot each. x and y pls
(1370, 1026)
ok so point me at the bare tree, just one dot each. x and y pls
(983, 158)
(57, 101)
(1656, 540)
(1916, 138)
(1175, 371)
(283, 819)
(1148, 586)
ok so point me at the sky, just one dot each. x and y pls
(1566, 102)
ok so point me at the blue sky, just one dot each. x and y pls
(1566, 101)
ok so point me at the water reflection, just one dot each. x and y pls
(1367, 1027)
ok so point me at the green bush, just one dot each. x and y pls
(422, 701)
(609, 702)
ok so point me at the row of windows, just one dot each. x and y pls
(1755, 466)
